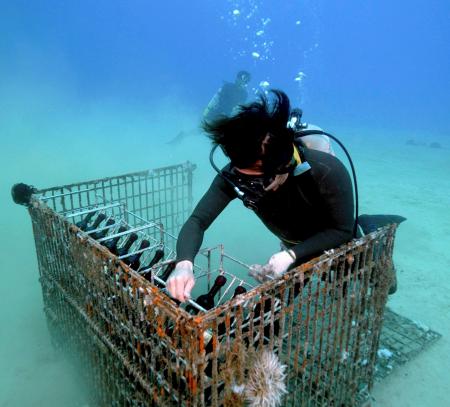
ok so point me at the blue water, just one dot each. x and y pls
(95, 88)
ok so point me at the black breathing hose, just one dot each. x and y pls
(303, 133)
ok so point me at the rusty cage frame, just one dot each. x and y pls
(321, 321)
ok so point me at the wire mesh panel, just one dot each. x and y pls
(163, 195)
(105, 249)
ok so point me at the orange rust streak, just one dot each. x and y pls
(201, 342)
(197, 320)
(160, 331)
(190, 381)
(194, 386)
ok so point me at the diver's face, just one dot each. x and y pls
(243, 81)
(256, 168)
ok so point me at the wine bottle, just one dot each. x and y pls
(102, 233)
(207, 300)
(122, 251)
(164, 275)
(111, 244)
(99, 219)
(134, 261)
(83, 224)
(240, 289)
(159, 254)
(221, 329)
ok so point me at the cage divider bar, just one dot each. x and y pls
(281, 320)
(95, 209)
(342, 320)
(146, 192)
(351, 319)
(98, 180)
(172, 208)
(71, 199)
(140, 194)
(290, 317)
(366, 282)
(133, 194)
(338, 283)
(332, 320)
(306, 362)
(61, 194)
(314, 331)
(377, 317)
(359, 323)
(322, 313)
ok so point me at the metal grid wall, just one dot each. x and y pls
(161, 195)
(321, 321)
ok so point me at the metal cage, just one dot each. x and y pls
(309, 338)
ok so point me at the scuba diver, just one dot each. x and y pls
(303, 196)
(224, 102)
(228, 97)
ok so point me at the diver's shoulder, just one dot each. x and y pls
(316, 156)
(323, 163)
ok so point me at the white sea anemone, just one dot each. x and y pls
(266, 385)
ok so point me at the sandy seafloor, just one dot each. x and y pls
(393, 177)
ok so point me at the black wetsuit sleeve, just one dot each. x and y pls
(213, 202)
(337, 206)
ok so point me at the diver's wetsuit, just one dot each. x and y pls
(310, 213)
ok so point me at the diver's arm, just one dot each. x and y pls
(210, 206)
(335, 188)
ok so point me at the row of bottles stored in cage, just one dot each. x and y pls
(123, 242)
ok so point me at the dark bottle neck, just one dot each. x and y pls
(131, 239)
(85, 222)
(159, 254)
(207, 300)
(133, 260)
(103, 233)
(239, 290)
(144, 244)
(100, 218)
(164, 276)
(112, 243)
(218, 284)
(170, 267)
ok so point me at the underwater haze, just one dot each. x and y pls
(90, 89)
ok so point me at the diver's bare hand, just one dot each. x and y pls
(181, 281)
(279, 180)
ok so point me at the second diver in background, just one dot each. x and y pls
(224, 102)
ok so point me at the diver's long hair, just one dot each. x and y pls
(241, 135)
